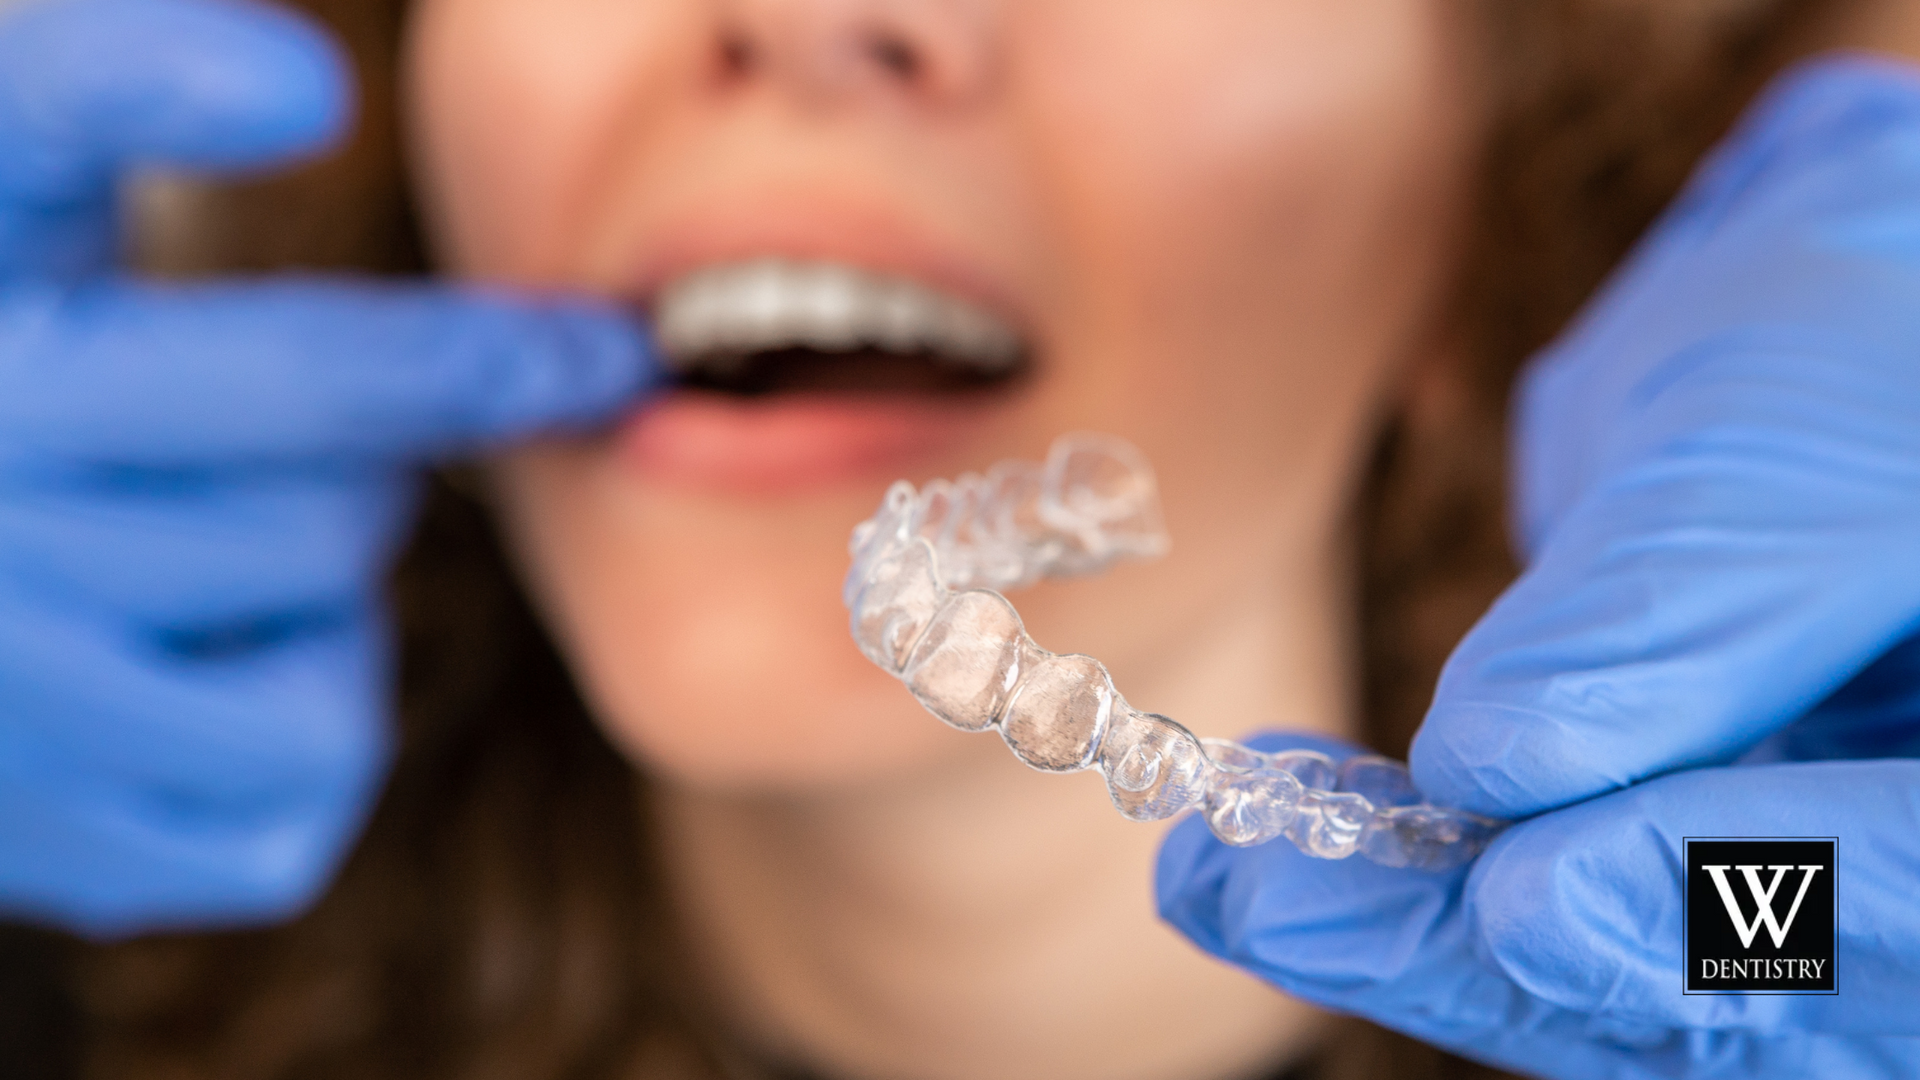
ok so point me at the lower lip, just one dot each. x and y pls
(791, 442)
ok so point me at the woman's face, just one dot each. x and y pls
(1219, 229)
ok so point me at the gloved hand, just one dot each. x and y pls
(1720, 495)
(201, 486)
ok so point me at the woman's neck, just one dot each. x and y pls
(981, 919)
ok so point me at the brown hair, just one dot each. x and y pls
(501, 917)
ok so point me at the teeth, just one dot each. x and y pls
(716, 315)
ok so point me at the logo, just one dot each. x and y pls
(1760, 915)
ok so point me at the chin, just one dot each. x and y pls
(706, 629)
(777, 734)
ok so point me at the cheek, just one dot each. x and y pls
(715, 649)
(1283, 176)
(1261, 211)
(1270, 141)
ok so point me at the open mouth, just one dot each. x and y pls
(771, 325)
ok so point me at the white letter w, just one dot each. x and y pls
(1762, 898)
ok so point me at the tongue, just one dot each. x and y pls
(867, 370)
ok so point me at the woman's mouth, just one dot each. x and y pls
(793, 373)
(773, 324)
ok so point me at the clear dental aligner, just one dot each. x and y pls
(922, 593)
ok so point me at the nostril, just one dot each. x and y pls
(935, 53)
(895, 55)
(737, 56)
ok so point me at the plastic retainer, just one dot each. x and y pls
(922, 592)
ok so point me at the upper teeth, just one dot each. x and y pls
(727, 311)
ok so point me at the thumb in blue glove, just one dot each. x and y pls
(1558, 952)
(201, 486)
(1719, 472)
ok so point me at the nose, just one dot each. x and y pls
(827, 52)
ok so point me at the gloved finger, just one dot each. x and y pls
(1401, 948)
(1826, 151)
(189, 792)
(88, 86)
(1583, 907)
(1395, 946)
(1348, 933)
(1388, 944)
(273, 716)
(1705, 599)
(300, 370)
(1353, 934)
(206, 564)
(1742, 545)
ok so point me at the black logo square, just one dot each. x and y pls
(1760, 915)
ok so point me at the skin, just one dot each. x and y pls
(1890, 27)
(1226, 226)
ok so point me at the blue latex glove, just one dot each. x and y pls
(1720, 495)
(201, 486)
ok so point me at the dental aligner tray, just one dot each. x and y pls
(925, 605)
